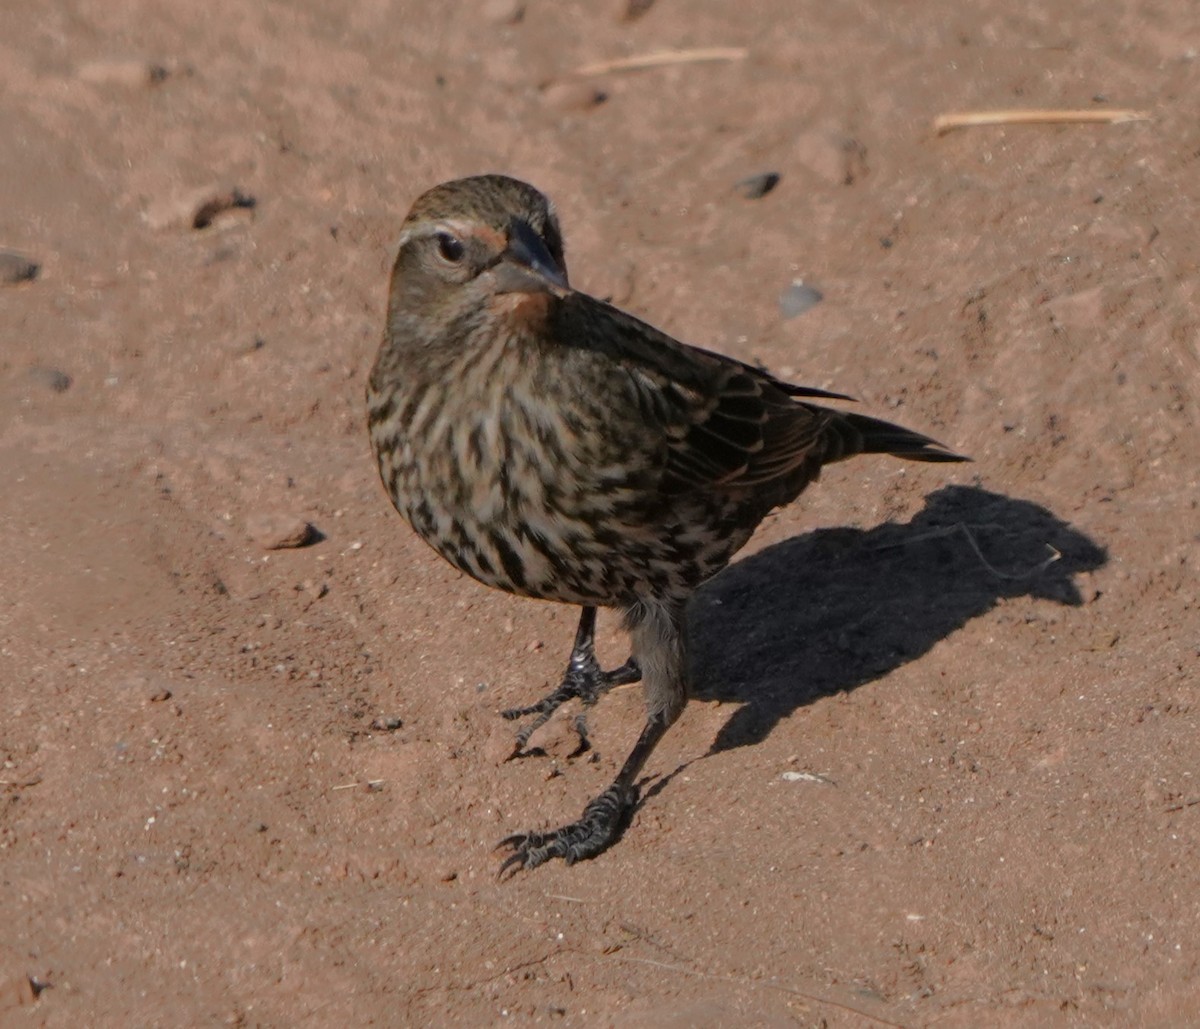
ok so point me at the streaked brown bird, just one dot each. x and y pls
(552, 446)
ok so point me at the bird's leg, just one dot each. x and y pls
(584, 678)
(602, 820)
(659, 649)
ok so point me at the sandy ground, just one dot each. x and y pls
(929, 777)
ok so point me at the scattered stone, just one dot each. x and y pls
(503, 12)
(572, 96)
(279, 531)
(564, 736)
(195, 209)
(854, 161)
(312, 589)
(158, 696)
(210, 209)
(132, 74)
(500, 745)
(390, 724)
(238, 346)
(16, 268)
(631, 10)
(754, 186)
(805, 777)
(52, 378)
(835, 157)
(798, 298)
(17, 991)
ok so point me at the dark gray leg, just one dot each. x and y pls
(602, 820)
(584, 678)
(659, 649)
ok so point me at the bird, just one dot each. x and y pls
(553, 446)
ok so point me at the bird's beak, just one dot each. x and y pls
(526, 265)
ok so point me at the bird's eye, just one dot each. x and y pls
(450, 247)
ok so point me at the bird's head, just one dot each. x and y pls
(487, 246)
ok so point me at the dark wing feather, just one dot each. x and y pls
(724, 423)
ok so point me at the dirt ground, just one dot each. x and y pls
(930, 776)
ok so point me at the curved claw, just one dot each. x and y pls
(520, 858)
(600, 825)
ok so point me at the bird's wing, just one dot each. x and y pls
(722, 423)
(741, 433)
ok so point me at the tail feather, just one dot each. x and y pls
(851, 434)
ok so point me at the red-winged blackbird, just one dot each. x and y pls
(555, 447)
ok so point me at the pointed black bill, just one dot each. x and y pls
(526, 265)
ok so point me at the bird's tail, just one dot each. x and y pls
(848, 434)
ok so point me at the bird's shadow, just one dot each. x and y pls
(836, 608)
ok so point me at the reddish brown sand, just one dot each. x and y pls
(927, 779)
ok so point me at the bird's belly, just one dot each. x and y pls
(537, 521)
(510, 535)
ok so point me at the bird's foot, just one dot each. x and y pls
(600, 825)
(585, 679)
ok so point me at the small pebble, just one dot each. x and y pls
(560, 737)
(195, 209)
(500, 745)
(234, 200)
(16, 268)
(754, 186)
(17, 991)
(310, 587)
(160, 695)
(387, 724)
(278, 531)
(631, 10)
(798, 298)
(825, 151)
(52, 378)
(805, 777)
(572, 96)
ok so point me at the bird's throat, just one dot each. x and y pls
(524, 312)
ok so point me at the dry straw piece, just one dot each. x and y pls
(661, 58)
(965, 119)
